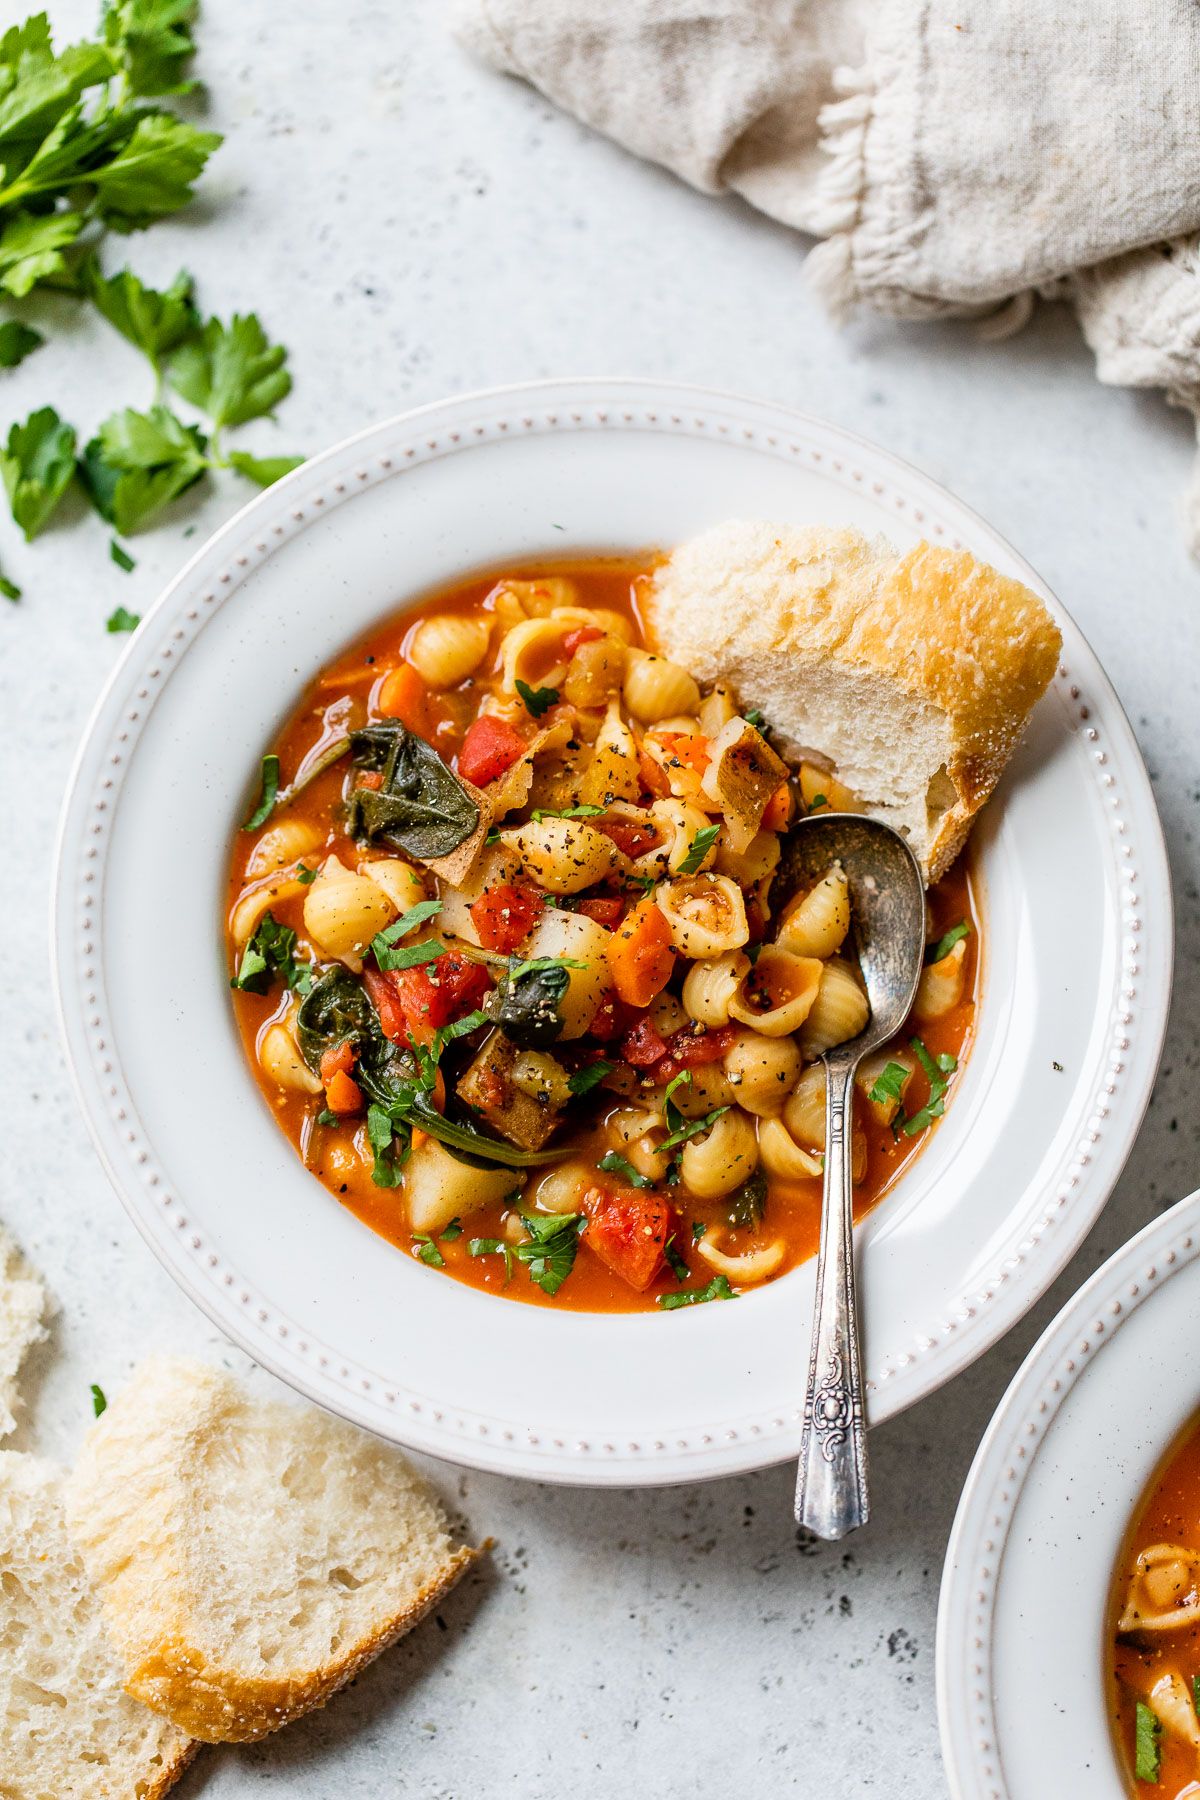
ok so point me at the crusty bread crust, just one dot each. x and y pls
(944, 652)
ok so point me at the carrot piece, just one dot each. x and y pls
(686, 747)
(404, 696)
(341, 1094)
(640, 957)
(338, 1059)
(778, 811)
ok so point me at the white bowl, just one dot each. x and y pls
(1078, 954)
(1022, 1625)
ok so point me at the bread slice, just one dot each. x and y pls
(67, 1730)
(914, 674)
(22, 1304)
(252, 1555)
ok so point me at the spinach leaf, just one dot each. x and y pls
(271, 951)
(338, 1010)
(526, 1002)
(422, 807)
(747, 1203)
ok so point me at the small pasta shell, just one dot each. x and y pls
(749, 1266)
(667, 1014)
(778, 994)
(343, 911)
(695, 1099)
(655, 688)
(941, 985)
(816, 923)
(602, 618)
(677, 824)
(532, 652)
(448, 647)
(804, 1108)
(399, 881)
(762, 1071)
(638, 1133)
(782, 1156)
(538, 599)
(714, 1164)
(255, 901)
(757, 862)
(283, 845)
(869, 1072)
(564, 855)
(709, 986)
(279, 1057)
(716, 710)
(706, 914)
(822, 787)
(562, 1189)
(839, 1012)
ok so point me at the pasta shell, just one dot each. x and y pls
(941, 985)
(709, 987)
(279, 1057)
(448, 647)
(255, 901)
(839, 1012)
(816, 923)
(749, 1266)
(564, 856)
(532, 652)
(283, 845)
(399, 881)
(779, 993)
(714, 1164)
(783, 1157)
(655, 688)
(706, 914)
(343, 911)
(762, 1071)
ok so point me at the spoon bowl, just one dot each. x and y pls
(887, 902)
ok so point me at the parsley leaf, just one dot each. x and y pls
(150, 41)
(99, 1401)
(537, 700)
(451, 1231)
(382, 944)
(429, 1252)
(550, 1255)
(271, 951)
(816, 801)
(566, 812)
(754, 717)
(8, 588)
(153, 322)
(31, 248)
(493, 1247)
(120, 555)
(889, 1088)
(584, 1080)
(305, 874)
(122, 620)
(17, 341)
(152, 174)
(679, 1268)
(139, 462)
(264, 470)
(231, 372)
(1147, 1749)
(698, 1230)
(613, 1163)
(407, 956)
(936, 1074)
(538, 965)
(945, 945)
(747, 1203)
(267, 796)
(717, 1289)
(382, 1128)
(699, 848)
(37, 464)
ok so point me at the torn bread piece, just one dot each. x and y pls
(252, 1555)
(67, 1728)
(22, 1307)
(915, 674)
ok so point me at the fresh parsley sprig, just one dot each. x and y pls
(550, 1253)
(937, 1073)
(537, 700)
(613, 1163)
(935, 952)
(717, 1289)
(699, 848)
(271, 952)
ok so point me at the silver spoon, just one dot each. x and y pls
(887, 900)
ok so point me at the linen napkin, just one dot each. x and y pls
(954, 157)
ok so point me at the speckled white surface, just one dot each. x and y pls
(410, 225)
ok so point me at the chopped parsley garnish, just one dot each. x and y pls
(717, 1289)
(121, 557)
(271, 951)
(699, 848)
(747, 1203)
(325, 1117)
(937, 1074)
(266, 801)
(817, 800)
(381, 1130)
(122, 620)
(451, 1231)
(698, 1230)
(1147, 1750)
(584, 1080)
(305, 875)
(428, 1251)
(537, 700)
(98, 1400)
(613, 1163)
(754, 717)
(643, 884)
(493, 836)
(679, 1268)
(493, 1247)
(691, 1128)
(566, 812)
(383, 944)
(550, 1254)
(446, 1034)
(538, 965)
(945, 945)
(889, 1088)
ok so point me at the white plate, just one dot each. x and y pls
(1077, 965)
(1022, 1626)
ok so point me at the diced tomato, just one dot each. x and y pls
(338, 1059)
(641, 1046)
(688, 1049)
(490, 747)
(583, 634)
(652, 776)
(686, 747)
(404, 696)
(631, 838)
(640, 954)
(778, 810)
(628, 1231)
(370, 778)
(605, 1025)
(387, 1004)
(437, 992)
(605, 912)
(506, 914)
(342, 1095)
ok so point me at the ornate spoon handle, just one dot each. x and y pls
(831, 1486)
